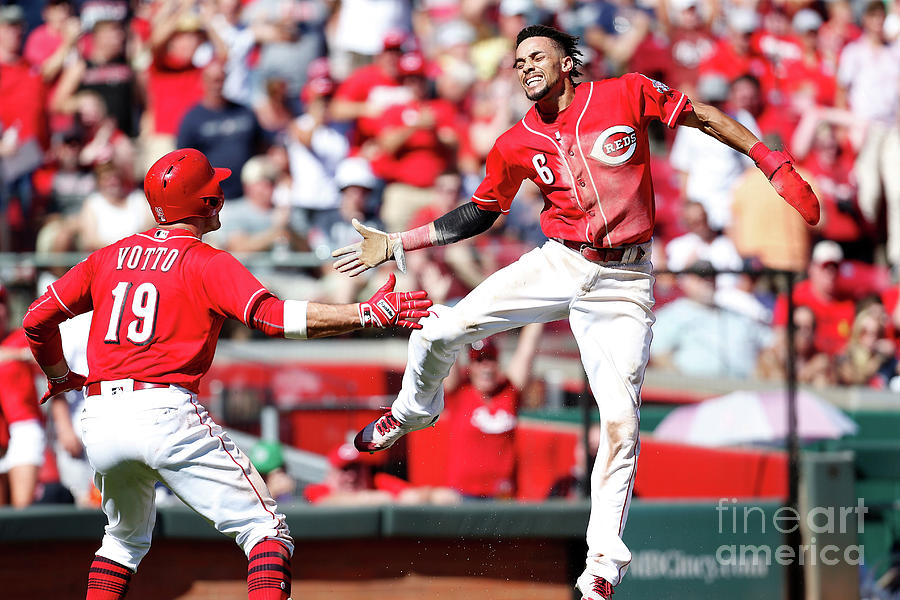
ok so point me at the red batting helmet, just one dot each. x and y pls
(183, 184)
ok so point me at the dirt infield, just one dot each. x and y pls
(412, 587)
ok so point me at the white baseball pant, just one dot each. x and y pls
(135, 438)
(609, 307)
(27, 441)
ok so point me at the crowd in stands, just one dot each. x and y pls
(384, 111)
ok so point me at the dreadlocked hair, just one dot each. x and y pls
(567, 43)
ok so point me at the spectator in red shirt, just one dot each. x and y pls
(809, 73)
(19, 412)
(834, 314)
(352, 480)
(23, 125)
(690, 43)
(838, 31)
(803, 79)
(482, 415)
(817, 148)
(734, 55)
(774, 39)
(174, 81)
(50, 43)
(369, 90)
(416, 142)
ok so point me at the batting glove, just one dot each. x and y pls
(376, 247)
(779, 169)
(388, 307)
(65, 383)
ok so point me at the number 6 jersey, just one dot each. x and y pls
(591, 162)
(159, 299)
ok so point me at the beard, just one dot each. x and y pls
(537, 94)
(541, 92)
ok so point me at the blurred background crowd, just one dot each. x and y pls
(384, 111)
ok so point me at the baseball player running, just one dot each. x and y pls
(585, 146)
(159, 299)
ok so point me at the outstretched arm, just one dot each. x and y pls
(378, 246)
(713, 122)
(300, 320)
(776, 165)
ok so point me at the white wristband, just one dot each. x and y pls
(397, 249)
(295, 319)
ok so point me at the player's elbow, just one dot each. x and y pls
(705, 114)
(34, 326)
(41, 318)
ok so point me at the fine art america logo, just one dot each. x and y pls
(732, 557)
(818, 520)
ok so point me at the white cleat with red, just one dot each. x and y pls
(594, 587)
(384, 431)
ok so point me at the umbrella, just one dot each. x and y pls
(745, 417)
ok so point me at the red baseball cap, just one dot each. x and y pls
(485, 349)
(316, 88)
(412, 63)
(395, 39)
(346, 454)
(319, 67)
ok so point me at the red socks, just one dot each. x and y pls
(269, 571)
(268, 575)
(107, 580)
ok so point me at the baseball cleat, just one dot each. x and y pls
(593, 587)
(381, 433)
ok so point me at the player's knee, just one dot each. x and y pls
(441, 331)
(621, 429)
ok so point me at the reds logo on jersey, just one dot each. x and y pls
(615, 145)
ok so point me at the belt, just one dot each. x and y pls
(622, 254)
(94, 389)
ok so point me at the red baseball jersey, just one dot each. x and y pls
(485, 432)
(159, 299)
(18, 396)
(591, 162)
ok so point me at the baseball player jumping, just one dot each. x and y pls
(585, 146)
(159, 300)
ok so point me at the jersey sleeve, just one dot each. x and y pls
(65, 298)
(501, 182)
(231, 290)
(72, 291)
(657, 100)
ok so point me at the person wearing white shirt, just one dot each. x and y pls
(709, 169)
(701, 243)
(869, 84)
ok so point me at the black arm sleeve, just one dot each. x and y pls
(463, 222)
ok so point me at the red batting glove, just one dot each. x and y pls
(779, 169)
(388, 307)
(59, 385)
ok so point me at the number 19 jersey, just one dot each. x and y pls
(159, 299)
